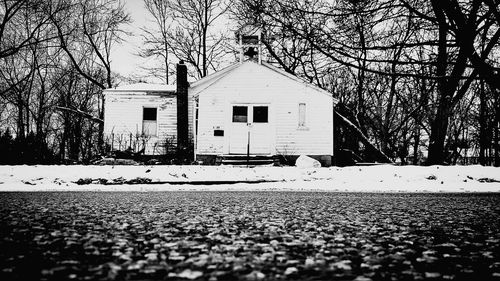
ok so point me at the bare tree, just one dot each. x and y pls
(157, 42)
(17, 31)
(385, 38)
(54, 63)
(87, 30)
(186, 30)
(300, 24)
(21, 25)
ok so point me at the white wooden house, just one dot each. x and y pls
(140, 115)
(250, 107)
(144, 116)
(259, 109)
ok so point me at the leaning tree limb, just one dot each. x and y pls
(80, 112)
(380, 156)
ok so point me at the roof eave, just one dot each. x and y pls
(138, 91)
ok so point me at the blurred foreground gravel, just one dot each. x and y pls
(249, 236)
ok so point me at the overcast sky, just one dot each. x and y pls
(124, 61)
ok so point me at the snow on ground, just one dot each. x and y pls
(379, 178)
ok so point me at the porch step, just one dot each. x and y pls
(253, 160)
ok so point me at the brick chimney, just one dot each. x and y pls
(182, 107)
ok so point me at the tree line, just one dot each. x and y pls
(54, 64)
(417, 81)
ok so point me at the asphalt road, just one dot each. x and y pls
(249, 236)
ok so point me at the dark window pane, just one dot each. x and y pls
(149, 114)
(250, 39)
(240, 114)
(260, 114)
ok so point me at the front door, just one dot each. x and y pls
(250, 129)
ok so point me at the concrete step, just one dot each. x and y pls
(253, 160)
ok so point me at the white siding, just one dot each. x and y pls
(123, 120)
(256, 84)
(190, 115)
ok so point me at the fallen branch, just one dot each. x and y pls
(381, 157)
(82, 113)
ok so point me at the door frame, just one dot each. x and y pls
(270, 119)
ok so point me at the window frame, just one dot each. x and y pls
(302, 115)
(233, 120)
(253, 114)
(150, 122)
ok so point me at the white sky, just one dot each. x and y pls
(123, 58)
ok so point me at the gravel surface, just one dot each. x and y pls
(249, 236)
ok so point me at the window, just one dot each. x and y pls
(260, 114)
(240, 114)
(149, 118)
(302, 114)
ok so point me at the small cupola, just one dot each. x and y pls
(249, 39)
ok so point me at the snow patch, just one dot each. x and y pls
(380, 178)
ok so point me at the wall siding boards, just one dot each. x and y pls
(254, 84)
(123, 116)
(248, 83)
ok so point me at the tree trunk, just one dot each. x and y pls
(100, 141)
(76, 140)
(497, 129)
(204, 43)
(439, 124)
(360, 106)
(64, 140)
(439, 128)
(166, 62)
(483, 126)
(416, 142)
(20, 120)
(387, 116)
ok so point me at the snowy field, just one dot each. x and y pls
(381, 178)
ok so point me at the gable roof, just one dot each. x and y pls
(143, 87)
(211, 78)
(207, 81)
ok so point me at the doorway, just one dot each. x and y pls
(250, 129)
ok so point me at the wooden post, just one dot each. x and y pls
(195, 125)
(248, 147)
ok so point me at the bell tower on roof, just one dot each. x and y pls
(249, 39)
